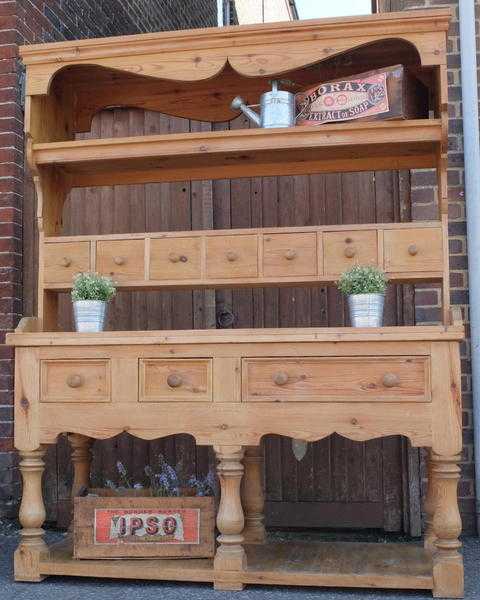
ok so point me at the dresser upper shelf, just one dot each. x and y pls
(196, 73)
(353, 146)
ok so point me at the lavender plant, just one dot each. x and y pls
(165, 481)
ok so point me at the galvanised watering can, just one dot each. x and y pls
(277, 108)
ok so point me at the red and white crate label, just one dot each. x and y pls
(138, 526)
(343, 100)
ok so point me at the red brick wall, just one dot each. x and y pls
(34, 21)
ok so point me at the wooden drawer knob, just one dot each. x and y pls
(232, 256)
(290, 254)
(174, 257)
(174, 380)
(390, 380)
(280, 378)
(119, 260)
(66, 262)
(350, 252)
(74, 381)
(413, 249)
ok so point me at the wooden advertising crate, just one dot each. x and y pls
(383, 94)
(130, 526)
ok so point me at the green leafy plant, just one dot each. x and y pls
(362, 280)
(92, 286)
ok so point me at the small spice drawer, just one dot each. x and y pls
(75, 381)
(175, 258)
(62, 260)
(167, 380)
(123, 260)
(413, 250)
(343, 249)
(290, 254)
(230, 256)
(336, 379)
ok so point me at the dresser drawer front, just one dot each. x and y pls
(167, 380)
(337, 379)
(75, 381)
(290, 254)
(344, 249)
(175, 258)
(123, 260)
(230, 256)
(417, 250)
(64, 259)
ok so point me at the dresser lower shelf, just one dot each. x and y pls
(329, 564)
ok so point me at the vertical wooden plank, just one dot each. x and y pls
(222, 218)
(203, 300)
(272, 443)
(323, 461)
(339, 469)
(64, 472)
(50, 483)
(241, 217)
(202, 218)
(392, 494)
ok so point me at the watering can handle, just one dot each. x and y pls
(287, 82)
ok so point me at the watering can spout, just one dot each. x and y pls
(238, 103)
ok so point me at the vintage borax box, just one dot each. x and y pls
(143, 527)
(389, 93)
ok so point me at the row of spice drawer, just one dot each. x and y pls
(322, 379)
(247, 256)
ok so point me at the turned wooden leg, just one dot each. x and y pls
(447, 526)
(230, 559)
(430, 506)
(32, 516)
(81, 460)
(253, 500)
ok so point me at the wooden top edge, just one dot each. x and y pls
(245, 231)
(439, 17)
(238, 336)
(246, 133)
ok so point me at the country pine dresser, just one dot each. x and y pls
(229, 388)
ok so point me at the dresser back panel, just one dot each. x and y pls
(335, 472)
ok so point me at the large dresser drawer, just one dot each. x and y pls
(336, 379)
(167, 380)
(75, 381)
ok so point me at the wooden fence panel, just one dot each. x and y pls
(339, 483)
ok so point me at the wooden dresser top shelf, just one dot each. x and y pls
(340, 147)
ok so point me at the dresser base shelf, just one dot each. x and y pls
(329, 564)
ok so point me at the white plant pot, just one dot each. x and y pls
(89, 315)
(366, 310)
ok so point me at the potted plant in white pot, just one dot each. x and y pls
(91, 293)
(364, 287)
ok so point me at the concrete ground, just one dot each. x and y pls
(75, 588)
